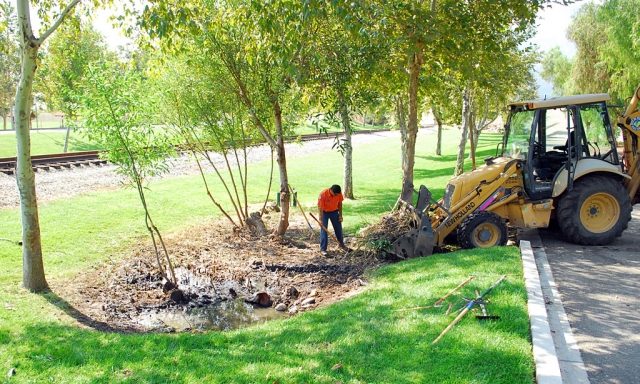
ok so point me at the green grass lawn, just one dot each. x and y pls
(45, 142)
(372, 341)
(310, 128)
(48, 141)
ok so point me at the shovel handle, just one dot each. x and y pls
(452, 291)
(295, 198)
(325, 229)
(460, 316)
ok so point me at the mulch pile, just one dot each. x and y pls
(215, 263)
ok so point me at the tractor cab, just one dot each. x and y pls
(559, 140)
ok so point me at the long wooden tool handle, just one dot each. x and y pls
(460, 316)
(493, 286)
(325, 229)
(452, 291)
(295, 198)
(467, 309)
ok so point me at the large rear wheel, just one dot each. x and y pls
(595, 212)
(482, 229)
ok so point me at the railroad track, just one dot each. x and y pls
(54, 161)
(77, 159)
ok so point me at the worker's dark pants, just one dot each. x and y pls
(337, 227)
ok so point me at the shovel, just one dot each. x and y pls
(325, 229)
(295, 198)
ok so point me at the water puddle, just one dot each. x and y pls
(222, 316)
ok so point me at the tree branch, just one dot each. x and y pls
(59, 21)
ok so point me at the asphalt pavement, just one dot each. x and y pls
(592, 296)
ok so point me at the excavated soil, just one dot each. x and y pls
(216, 265)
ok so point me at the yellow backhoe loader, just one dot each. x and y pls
(558, 161)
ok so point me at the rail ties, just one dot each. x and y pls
(55, 161)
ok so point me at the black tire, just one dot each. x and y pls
(482, 229)
(595, 212)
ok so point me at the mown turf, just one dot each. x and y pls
(40, 335)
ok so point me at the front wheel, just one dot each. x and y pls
(483, 229)
(595, 212)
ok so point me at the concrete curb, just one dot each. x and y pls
(544, 351)
(550, 320)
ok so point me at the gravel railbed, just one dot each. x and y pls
(65, 183)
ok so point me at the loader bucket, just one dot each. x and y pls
(417, 243)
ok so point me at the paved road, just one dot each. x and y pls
(600, 291)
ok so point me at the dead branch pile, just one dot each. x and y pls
(378, 237)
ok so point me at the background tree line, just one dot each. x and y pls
(608, 52)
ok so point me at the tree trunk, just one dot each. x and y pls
(66, 140)
(402, 121)
(33, 277)
(463, 133)
(408, 159)
(347, 183)
(472, 151)
(282, 165)
(438, 118)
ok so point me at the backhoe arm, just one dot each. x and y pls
(629, 123)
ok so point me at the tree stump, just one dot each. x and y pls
(256, 225)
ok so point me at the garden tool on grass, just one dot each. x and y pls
(439, 302)
(484, 309)
(467, 309)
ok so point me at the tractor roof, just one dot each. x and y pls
(563, 101)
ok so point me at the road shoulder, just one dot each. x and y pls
(556, 352)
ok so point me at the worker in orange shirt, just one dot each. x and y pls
(330, 208)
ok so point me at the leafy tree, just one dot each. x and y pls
(557, 69)
(67, 57)
(118, 114)
(607, 50)
(586, 31)
(201, 107)
(258, 45)
(9, 59)
(439, 36)
(338, 61)
(510, 78)
(620, 55)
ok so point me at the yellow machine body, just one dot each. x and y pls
(497, 185)
(559, 161)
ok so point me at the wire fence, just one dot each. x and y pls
(42, 120)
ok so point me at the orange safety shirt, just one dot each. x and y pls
(329, 203)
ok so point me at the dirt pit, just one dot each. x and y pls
(218, 270)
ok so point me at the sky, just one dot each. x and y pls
(552, 31)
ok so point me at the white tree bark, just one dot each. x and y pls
(463, 132)
(33, 277)
(347, 182)
(438, 118)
